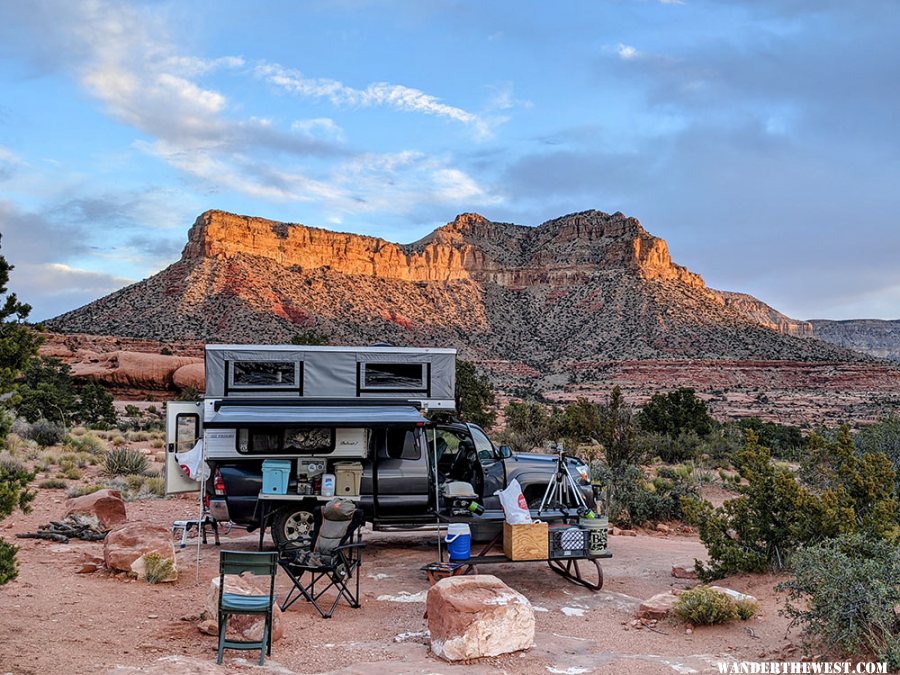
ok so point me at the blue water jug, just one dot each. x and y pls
(459, 541)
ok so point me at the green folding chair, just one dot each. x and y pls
(259, 564)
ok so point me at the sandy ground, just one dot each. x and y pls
(54, 620)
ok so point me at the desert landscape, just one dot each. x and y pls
(347, 290)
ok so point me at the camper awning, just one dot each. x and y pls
(316, 416)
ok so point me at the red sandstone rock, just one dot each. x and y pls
(125, 547)
(658, 607)
(105, 506)
(474, 616)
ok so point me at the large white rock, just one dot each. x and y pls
(474, 616)
(249, 627)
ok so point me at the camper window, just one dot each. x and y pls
(294, 440)
(264, 374)
(393, 376)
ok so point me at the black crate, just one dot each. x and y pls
(569, 542)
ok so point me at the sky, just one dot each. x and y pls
(760, 138)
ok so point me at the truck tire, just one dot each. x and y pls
(293, 522)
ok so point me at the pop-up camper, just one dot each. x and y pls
(285, 427)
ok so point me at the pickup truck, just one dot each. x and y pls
(397, 489)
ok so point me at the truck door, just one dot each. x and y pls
(400, 475)
(492, 467)
(184, 428)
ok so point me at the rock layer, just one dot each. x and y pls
(586, 286)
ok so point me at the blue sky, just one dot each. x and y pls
(760, 138)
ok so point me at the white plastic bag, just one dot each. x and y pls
(515, 508)
(191, 462)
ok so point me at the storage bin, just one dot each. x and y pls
(276, 475)
(525, 542)
(569, 542)
(347, 478)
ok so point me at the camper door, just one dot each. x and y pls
(183, 429)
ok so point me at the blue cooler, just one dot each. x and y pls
(276, 475)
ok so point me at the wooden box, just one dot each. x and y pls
(525, 542)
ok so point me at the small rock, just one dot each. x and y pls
(688, 631)
(684, 571)
(628, 533)
(657, 607)
(615, 531)
(663, 528)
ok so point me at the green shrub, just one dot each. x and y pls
(53, 484)
(72, 473)
(154, 486)
(134, 482)
(774, 515)
(46, 433)
(157, 443)
(81, 490)
(117, 440)
(125, 461)
(633, 500)
(87, 443)
(843, 595)
(138, 436)
(746, 609)
(158, 569)
(705, 606)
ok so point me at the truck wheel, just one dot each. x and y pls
(292, 522)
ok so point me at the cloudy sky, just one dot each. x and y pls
(761, 138)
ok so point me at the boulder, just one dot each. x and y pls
(105, 507)
(658, 607)
(247, 626)
(90, 562)
(193, 375)
(684, 570)
(735, 595)
(125, 547)
(662, 528)
(474, 616)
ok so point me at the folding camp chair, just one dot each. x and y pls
(238, 562)
(331, 562)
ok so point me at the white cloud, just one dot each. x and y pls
(627, 52)
(395, 96)
(53, 288)
(671, 2)
(319, 126)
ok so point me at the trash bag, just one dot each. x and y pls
(515, 508)
(191, 462)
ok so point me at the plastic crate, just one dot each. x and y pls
(569, 542)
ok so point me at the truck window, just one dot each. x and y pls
(482, 445)
(397, 444)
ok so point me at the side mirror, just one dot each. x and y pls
(505, 452)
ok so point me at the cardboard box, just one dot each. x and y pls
(525, 542)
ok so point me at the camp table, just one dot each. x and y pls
(569, 567)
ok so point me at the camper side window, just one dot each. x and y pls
(294, 440)
(393, 376)
(264, 375)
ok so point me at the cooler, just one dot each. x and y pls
(276, 475)
(347, 478)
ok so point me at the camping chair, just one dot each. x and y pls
(333, 559)
(238, 562)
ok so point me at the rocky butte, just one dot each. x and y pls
(541, 307)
